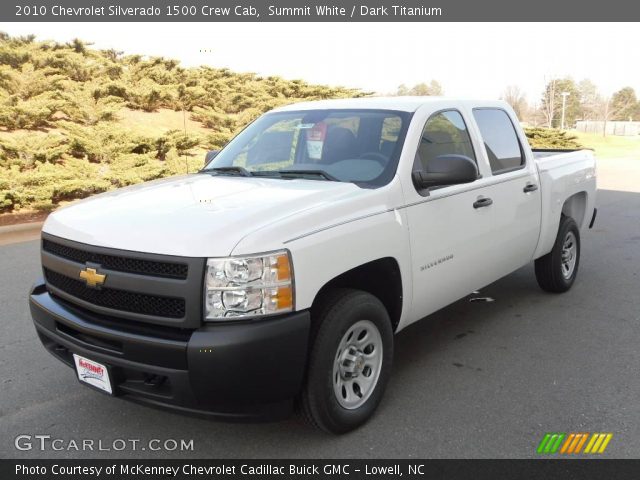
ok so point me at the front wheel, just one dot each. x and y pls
(350, 361)
(557, 270)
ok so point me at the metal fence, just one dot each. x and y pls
(613, 128)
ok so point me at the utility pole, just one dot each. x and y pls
(564, 104)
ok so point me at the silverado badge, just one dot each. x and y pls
(92, 277)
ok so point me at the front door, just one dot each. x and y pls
(452, 228)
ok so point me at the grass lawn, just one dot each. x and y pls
(611, 146)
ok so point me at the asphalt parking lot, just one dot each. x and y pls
(474, 380)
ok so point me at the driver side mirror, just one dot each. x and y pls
(211, 154)
(446, 170)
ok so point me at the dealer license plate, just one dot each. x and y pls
(93, 373)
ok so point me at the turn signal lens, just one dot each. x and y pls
(284, 298)
(283, 267)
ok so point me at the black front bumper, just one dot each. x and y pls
(247, 370)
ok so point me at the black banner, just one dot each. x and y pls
(315, 11)
(321, 469)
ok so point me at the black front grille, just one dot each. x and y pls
(117, 263)
(118, 299)
(131, 326)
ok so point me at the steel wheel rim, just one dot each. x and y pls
(357, 364)
(569, 255)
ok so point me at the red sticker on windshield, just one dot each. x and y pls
(315, 140)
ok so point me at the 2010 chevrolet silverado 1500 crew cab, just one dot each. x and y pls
(281, 271)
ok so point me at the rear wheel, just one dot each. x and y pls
(350, 361)
(557, 270)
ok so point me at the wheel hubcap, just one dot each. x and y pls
(357, 364)
(569, 255)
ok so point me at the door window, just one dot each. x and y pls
(500, 139)
(445, 133)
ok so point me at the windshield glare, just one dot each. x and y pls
(360, 146)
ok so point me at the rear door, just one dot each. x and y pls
(513, 189)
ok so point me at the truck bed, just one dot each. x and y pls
(547, 159)
(548, 152)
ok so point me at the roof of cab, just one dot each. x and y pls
(407, 104)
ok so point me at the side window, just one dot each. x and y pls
(500, 139)
(444, 133)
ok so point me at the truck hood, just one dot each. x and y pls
(197, 215)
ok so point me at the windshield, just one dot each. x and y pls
(359, 146)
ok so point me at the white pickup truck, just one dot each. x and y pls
(279, 273)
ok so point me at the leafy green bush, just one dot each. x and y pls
(103, 142)
(25, 149)
(183, 142)
(214, 119)
(9, 198)
(131, 169)
(32, 113)
(88, 104)
(551, 138)
(45, 185)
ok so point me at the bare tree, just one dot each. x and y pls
(516, 98)
(535, 115)
(549, 101)
(589, 99)
(608, 110)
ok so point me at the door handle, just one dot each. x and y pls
(531, 187)
(482, 202)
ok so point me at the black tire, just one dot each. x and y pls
(550, 273)
(336, 313)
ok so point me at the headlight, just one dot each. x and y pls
(248, 286)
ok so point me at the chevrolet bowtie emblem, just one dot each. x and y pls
(92, 277)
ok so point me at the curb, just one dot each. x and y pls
(20, 232)
(21, 227)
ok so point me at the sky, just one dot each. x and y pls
(469, 59)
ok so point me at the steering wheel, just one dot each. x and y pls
(377, 156)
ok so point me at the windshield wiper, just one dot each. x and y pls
(241, 171)
(303, 172)
(288, 173)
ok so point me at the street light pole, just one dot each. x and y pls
(564, 103)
